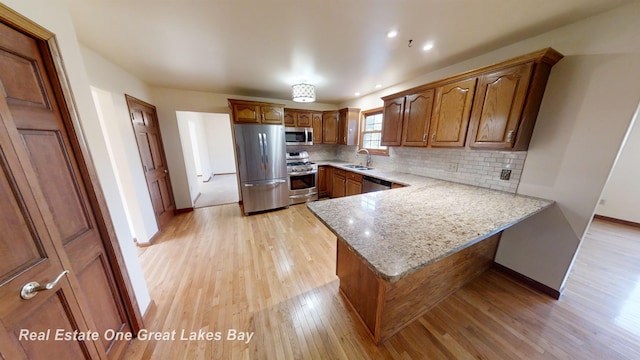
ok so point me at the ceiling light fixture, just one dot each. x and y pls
(427, 46)
(378, 86)
(392, 34)
(356, 93)
(303, 92)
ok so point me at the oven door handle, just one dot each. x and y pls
(303, 173)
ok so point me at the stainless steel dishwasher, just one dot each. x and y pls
(371, 184)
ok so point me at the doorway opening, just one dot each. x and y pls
(207, 145)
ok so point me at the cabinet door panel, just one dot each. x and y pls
(498, 107)
(453, 109)
(339, 186)
(304, 119)
(290, 118)
(392, 122)
(417, 116)
(246, 113)
(330, 125)
(272, 115)
(318, 137)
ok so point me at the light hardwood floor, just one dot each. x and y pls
(274, 274)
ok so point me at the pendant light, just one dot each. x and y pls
(303, 92)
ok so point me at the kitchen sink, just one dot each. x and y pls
(358, 167)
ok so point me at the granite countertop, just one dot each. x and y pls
(397, 232)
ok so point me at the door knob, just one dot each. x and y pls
(166, 171)
(31, 289)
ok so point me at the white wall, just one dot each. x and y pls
(219, 142)
(54, 16)
(189, 161)
(114, 83)
(203, 149)
(587, 107)
(621, 195)
(168, 101)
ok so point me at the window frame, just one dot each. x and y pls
(363, 122)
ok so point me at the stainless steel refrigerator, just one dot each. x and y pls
(261, 152)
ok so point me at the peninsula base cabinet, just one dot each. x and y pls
(386, 307)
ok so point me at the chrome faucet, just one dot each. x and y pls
(368, 155)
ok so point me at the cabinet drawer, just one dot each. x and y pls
(353, 176)
(338, 172)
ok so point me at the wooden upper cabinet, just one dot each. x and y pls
(297, 118)
(246, 113)
(272, 114)
(348, 126)
(498, 107)
(254, 112)
(494, 107)
(304, 119)
(392, 121)
(452, 112)
(316, 120)
(330, 127)
(417, 116)
(290, 117)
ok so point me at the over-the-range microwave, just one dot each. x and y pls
(298, 135)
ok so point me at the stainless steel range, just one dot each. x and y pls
(303, 177)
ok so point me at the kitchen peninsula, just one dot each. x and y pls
(402, 251)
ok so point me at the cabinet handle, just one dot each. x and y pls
(433, 137)
(510, 136)
(345, 139)
(424, 137)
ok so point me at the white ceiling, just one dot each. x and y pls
(261, 47)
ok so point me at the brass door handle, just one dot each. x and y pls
(31, 289)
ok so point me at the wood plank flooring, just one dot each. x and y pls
(274, 274)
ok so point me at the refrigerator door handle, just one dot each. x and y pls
(266, 153)
(261, 149)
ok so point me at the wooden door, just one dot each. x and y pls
(49, 219)
(304, 119)
(452, 112)
(317, 127)
(417, 116)
(330, 126)
(272, 114)
(498, 106)
(154, 164)
(392, 122)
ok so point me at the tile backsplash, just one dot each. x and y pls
(473, 167)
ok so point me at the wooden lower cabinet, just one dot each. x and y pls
(396, 186)
(322, 181)
(339, 183)
(386, 307)
(353, 183)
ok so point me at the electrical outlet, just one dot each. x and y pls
(453, 167)
(505, 174)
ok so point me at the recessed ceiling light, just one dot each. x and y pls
(378, 86)
(392, 34)
(427, 46)
(356, 94)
